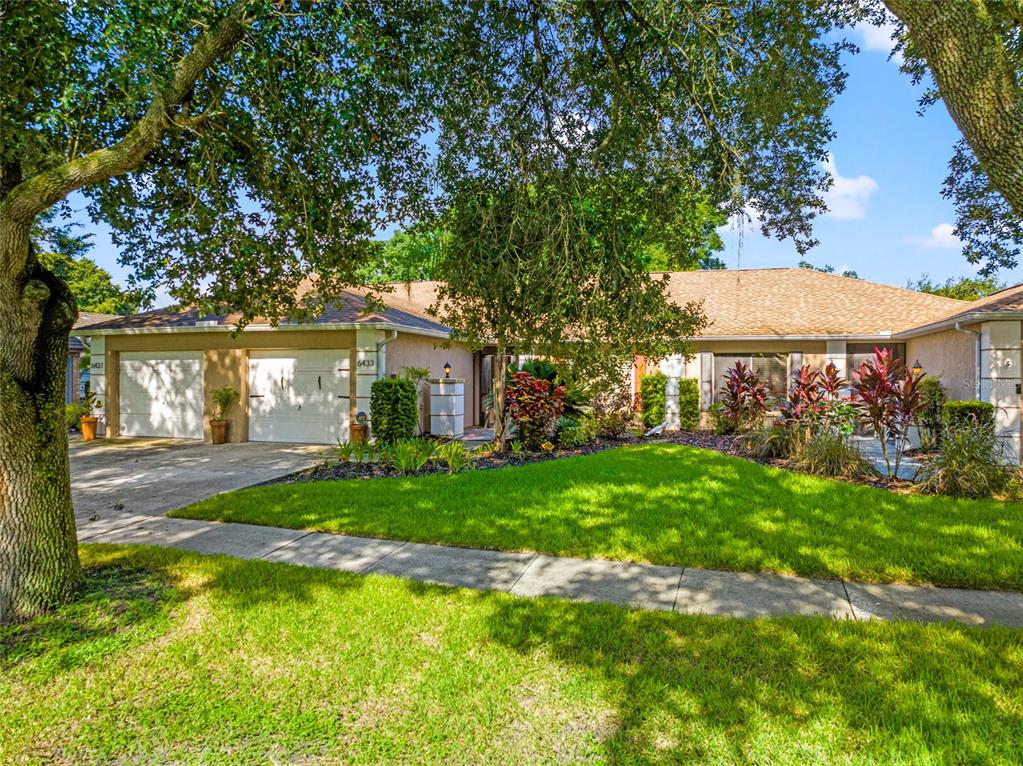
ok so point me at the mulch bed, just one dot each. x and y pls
(728, 445)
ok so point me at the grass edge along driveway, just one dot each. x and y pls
(664, 504)
(175, 657)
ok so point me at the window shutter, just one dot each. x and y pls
(706, 380)
(795, 362)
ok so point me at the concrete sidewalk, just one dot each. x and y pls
(641, 586)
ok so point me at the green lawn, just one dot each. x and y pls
(668, 505)
(193, 659)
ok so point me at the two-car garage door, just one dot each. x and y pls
(294, 396)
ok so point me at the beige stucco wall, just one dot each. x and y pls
(950, 356)
(227, 367)
(420, 351)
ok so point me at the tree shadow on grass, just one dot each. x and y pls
(696, 689)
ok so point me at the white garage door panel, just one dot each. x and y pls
(161, 394)
(299, 396)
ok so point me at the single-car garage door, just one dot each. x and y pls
(298, 396)
(160, 394)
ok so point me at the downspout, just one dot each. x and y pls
(976, 358)
(380, 345)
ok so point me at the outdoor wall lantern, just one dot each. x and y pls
(917, 368)
(447, 369)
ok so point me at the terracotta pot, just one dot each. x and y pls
(88, 425)
(219, 430)
(359, 433)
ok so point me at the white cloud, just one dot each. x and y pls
(874, 38)
(942, 237)
(747, 220)
(847, 198)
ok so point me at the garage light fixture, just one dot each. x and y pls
(447, 369)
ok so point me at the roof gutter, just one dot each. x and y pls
(976, 357)
(390, 326)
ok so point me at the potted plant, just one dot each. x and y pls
(223, 399)
(88, 422)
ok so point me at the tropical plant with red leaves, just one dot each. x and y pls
(534, 406)
(743, 398)
(815, 402)
(890, 400)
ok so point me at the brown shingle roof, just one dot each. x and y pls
(87, 318)
(1009, 300)
(803, 302)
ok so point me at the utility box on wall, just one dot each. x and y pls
(447, 406)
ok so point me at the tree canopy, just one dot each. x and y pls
(963, 288)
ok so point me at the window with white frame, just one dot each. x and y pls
(771, 367)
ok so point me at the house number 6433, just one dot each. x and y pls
(366, 363)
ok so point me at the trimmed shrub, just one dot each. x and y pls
(929, 420)
(720, 422)
(970, 463)
(688, 404)
(74, 413)
(956, 415)
(394, 410)
(652, 393)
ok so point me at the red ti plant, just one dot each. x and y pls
(534, 407)
(805, 395)
(889, 399)
(743, 397)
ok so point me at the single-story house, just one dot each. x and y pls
(307, 382)
(76, 379)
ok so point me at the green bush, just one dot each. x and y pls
(74, 413)
(394, 410)
(455, 456)
(776, 441)
(970, 463)
(688, 404)
(720, 422)
(827, 453)
(574, 433)
(651, 389)
(933, 395)
(958, 415)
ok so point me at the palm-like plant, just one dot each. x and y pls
(890, 400)
(743, 397)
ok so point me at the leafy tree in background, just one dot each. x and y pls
(963, 288)
(236, 148)
(406, 257)
(973, 53)
(828, 269)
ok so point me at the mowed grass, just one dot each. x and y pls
(664, 504)
(178, 658)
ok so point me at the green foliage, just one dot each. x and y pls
(346, 452)
(957, 414)
(74, 413)
(614, 412)
(455, 456)
(576, 401)
(410, 455)
(963, 288)
(828, 453)
(971, 463)
(574, 433)
(775, 441)
(224, 398)
(406, 257)
(827, 269)
(933, 395)
(415, 374)
(394, 409)
(688, 404)
(517, 447)
(652, 396)
(720, 422)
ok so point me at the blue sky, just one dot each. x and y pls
(887, 219)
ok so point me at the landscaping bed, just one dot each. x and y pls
(254, 662)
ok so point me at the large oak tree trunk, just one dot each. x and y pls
(977, 83)
(38, 551)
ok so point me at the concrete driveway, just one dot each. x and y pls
(113, 479)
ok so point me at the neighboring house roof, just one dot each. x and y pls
(86, 319)
(802, 303)
(351, 308)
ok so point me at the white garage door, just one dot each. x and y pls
(298, 396)
(161, 394)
